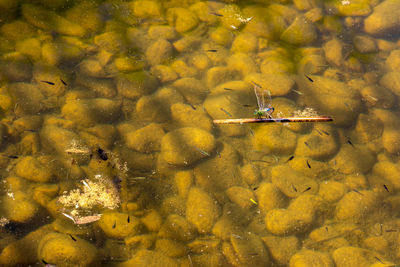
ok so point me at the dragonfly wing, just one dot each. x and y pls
(259, 98)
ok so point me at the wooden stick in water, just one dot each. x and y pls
(270, 120)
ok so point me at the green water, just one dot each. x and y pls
(109, 155)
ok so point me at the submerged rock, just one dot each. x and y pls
(385, 18)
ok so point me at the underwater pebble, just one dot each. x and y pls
(183, 181)
(242, 63)
(146, 9)
(18, 207)
(193, 90)
(144, 257)
(220, 74)
(91, 111)
(164, 73)
(60, 249)
(389, 171)
(379, 23)
(300, 32)
(116, 225)
(24, 250)
(220, 172)
(317, 146)
(368, 128)
(244, 43)
(159, 52)
(178, 228)
(135, 84)
(146, 139)
(278, 85)
(241, 196)
(311, 258)
(269, 197)
(152, 221)
(351, 159)
(364, 44)
(187, 116)
(186, 145)
(331, 191)
(282, 248)
(28, 97)
(170, 248)
(31, 169)
(201, 210)
(250, 250)
(348, 256)
(274, 139)
(355, 205)
(50, 21)
(182, 19)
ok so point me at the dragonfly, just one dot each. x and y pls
(264, 109)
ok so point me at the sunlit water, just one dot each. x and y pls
(109, 155)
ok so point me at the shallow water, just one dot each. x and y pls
(109, 155)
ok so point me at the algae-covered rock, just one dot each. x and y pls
(159, 52)
(389, 171)
(300, 32)
(164, 73)
(183, 69)
(62, 250)
(200, 61)
(183, 181)
(90, 111)
(135, 84)
(220, 74)
(379, 23)
(117, 225)
(178, 228)
(243, 197)
(242, 63)
(171, 248)
(111, 41)
(269, 197)
(152, 221)
(249, 249)
(308, 257)
(201, 210)
(274, 139)
(29, 47)
(390, 139)
(187, 145)
(244, 43)
(187, 116)
(364, 44)
(352, 8)
(282, 248)
(331, 191)
(42, 73)
(316, 146)
(18, 207)
(55, 53)
(193, 90)
(368, 128)
(354, 206)
(27, 96)
(222, 36)
(146, 9)
(182, 19)
(24, 251)
(231, 17)
(391, 80)
(146, 139)
(276, 84)
(50, 21)
(283, 222)
(292, 183)
(353, 159)
(31, 169)
(162, 32)
(146, 258)
(334, 98)
(347, 256)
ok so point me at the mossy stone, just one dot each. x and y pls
(116, 225)
(31, 169)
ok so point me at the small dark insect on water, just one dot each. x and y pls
(73, 238)
(114, 225)
(63, 82)
(350, 143)
(386, 188)
(51, 83)
(289, 159)
(308, 164)
(129, 219)
(311, 80)
(211, 50)
(102, 154)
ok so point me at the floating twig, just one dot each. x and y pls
(270, 120)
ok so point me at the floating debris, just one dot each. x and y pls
(355, 190)
(350, 143)
(294, 188)
(297, 92)
(114, 225)
(216, 14)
